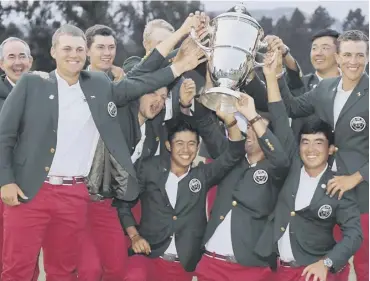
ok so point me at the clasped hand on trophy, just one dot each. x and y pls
(245, 105)
(197, 22)
(273, 63)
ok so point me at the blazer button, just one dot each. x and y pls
(47, 169)
(282, 229)
(52, 150)
(174, 218)
(292, 214)
(222, 217)
(234, 203)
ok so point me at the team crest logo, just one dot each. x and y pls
(195, 185)
(324, 211)
(357, 124)
(112, 109)
(260, 176)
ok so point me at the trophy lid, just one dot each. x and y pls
(239, 11)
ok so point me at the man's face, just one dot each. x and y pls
(69, 53)
(251, 143)
(323, 52)
(314, 150)
(183, 148)
(158, 35)
(352, 59)
(102, 52)
(151, 104)
(15, 60)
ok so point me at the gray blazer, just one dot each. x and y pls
(29, 122)
(351, 130)
(5, 88)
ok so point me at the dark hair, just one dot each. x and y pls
(317, 126)
(353, 35)
(181, 125)
(326, 32)
(98, 29)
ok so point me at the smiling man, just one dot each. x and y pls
(343, 102)
(15, 59)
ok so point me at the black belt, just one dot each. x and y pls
(230, 258)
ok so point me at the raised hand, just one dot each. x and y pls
(273, 63)
(245, 105)
(189, 56)
(187, 92)
(197, 21)
(118, 73)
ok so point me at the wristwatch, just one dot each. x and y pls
(328, 263)
(287, 51)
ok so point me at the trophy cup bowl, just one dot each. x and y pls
(234, 39)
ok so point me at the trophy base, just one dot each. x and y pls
(220, 97)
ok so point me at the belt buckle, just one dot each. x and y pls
(231, 259)
(170, 257)
(56, 180)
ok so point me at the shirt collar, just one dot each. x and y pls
(318, 177)
(10, 81)
(340, 87)
(64, 82)
(320, 78)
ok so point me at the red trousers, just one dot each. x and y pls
(294, 274)
(142, 268)
(212, 269)
(104, 248)
(53, 220)
(361, 257)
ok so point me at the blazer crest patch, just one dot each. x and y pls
(325, 212)
(260, 176)
(358, 124)
(112, 109)
(195, 185)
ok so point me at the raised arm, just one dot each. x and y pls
(279, 117)
(132, 88)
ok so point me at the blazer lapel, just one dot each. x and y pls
(164, 172)
(53, 98)
(358, 92)
(91, 98)
(331, 96)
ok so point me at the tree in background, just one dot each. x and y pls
(355, 20)
(320, 20)
(266, 24)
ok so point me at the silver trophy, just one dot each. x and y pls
(234, 39)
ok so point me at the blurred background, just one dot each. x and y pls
(294, 22)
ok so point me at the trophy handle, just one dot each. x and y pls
(260, 45)
(207, 50)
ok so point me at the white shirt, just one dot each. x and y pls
(220, 242)
(172, 186)
(10, 81)
(306, 190)
(169, 110)
(77, 135)
(339, 102)
(139, 147)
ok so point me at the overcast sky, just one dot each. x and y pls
(337, 9)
